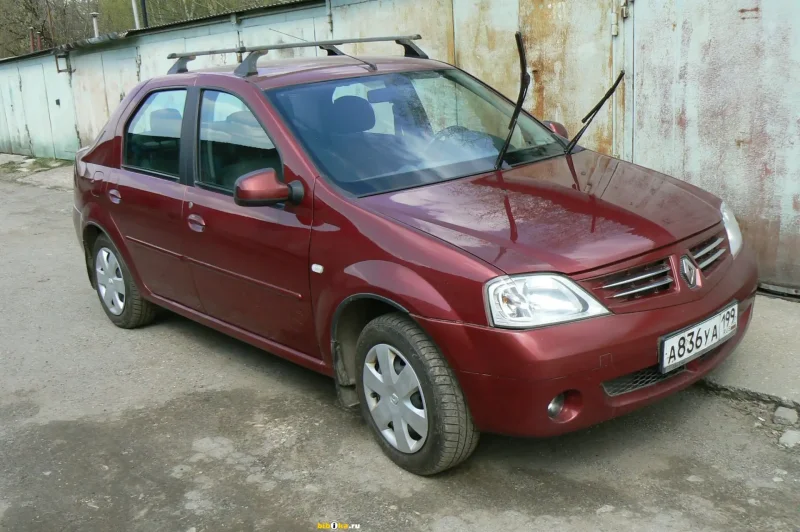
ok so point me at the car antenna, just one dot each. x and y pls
(524, 81)
(588, 118)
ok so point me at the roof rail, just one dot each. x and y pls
(247, 67)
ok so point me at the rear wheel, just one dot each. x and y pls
(410, 397)
(119, 296)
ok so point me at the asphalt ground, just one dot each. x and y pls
(176, 427)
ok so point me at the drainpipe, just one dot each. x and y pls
(94, 24)
(144, 14)
(30, 34)
(135, 6)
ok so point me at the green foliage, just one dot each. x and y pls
(64, 21)
(115, 15)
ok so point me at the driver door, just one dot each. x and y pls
(250, 264)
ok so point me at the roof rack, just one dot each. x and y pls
(247, 67)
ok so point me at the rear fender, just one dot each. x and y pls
(94, 215)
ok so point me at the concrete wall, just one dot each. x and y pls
(711, 93)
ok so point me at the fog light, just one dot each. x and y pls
(556, 406)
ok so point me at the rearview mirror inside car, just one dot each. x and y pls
(263, 187)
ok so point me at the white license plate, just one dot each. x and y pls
(679, 348)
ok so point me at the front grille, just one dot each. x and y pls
(707, 253)
(638, 282)
(638, 380)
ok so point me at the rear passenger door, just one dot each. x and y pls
(146, 194)
(250, 264)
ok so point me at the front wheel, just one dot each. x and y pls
(410, 397)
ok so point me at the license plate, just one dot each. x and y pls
(681, 347)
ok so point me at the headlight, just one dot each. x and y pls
(732, 228)
(527, 301)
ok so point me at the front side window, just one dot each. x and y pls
(232, 142)
(393, 131)
(153, 137)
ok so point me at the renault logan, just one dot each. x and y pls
(345, 214)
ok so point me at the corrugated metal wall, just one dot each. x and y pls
(711, 95)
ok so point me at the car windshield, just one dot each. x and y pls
(388, 132)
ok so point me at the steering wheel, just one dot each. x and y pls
(446, 134)
(477, 143)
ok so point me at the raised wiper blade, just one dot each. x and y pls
(589, 117)
(524, 81)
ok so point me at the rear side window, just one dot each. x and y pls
(232, 142)
(153, 137)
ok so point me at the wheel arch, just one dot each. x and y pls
(349, 319)
(91, 231)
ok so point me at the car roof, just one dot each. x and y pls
(297, 70)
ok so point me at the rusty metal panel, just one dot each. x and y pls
(484, 42)
(571, 54)
(89, 92)
(433, 19)
(716, 102)
(37, 117)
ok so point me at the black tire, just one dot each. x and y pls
(136, 311)
(452, 437)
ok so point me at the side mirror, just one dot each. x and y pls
(263, 187)
(557, 128)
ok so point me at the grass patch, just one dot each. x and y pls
(32, 165)
(46, 164)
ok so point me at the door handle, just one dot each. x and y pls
(196, 223)
(114, 196)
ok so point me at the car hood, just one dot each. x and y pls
(566, 214)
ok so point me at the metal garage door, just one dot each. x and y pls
(717, 103)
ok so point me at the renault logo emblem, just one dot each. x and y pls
(689, 271)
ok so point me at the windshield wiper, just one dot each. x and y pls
(524, 81)
(588, 118)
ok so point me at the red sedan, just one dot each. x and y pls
(347, 214)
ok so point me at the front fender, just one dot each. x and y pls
(392, 282)
(399, 284)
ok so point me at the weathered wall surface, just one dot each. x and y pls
(50, 114)
(433, 19)
(37, 115)
(570, 51)
(717, 103)
(15, 135)
(711, 94)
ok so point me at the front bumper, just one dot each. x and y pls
(509, 377)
